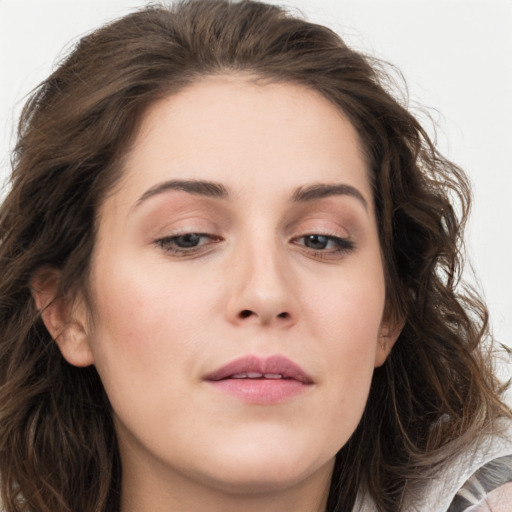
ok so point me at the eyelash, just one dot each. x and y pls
(168, 244)
(342, 245)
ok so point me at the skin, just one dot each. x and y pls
(254, 285)
(497, 500)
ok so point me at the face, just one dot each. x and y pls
(238, 287)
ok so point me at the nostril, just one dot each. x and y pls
(246, 313)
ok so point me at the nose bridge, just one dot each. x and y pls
(263, 288)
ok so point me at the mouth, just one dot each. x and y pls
(260, 380)
(257, 375)
(252, 367)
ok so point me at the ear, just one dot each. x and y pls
(388, 334)
(64, 318)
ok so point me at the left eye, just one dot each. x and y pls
(188, 240)
(325, 243)
(318, 242)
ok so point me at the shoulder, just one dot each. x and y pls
(478, 480)
(488, 489)
(478, 475)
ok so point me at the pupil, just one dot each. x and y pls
(188, 240)
(316, 241)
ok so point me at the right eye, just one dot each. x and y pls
(186, 243)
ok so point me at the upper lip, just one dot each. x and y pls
(273, 365)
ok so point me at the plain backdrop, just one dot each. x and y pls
(456, 56)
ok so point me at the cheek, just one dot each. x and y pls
(350, 308)
(147, 343)
(344, 324)
(147, 321)
(346, 318)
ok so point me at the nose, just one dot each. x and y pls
(262, 289)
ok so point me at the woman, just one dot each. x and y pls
(229, 268)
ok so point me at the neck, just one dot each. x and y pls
(166, 491)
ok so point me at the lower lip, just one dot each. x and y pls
(261, 391)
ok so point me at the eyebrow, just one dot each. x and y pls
(218, 191)
(321, 191)
(196, 187)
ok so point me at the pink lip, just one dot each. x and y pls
(280, 379)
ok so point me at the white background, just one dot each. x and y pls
(455, 54)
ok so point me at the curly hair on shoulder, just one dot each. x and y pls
(436, 392)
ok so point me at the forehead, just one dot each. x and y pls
(250, 135)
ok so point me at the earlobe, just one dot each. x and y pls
(388, 334)
(63, 318)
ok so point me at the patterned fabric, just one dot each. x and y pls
(476, 489)
(478, 480)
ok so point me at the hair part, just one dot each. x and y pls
(58, 449)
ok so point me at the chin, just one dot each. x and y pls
(267, 470)
(258, 481)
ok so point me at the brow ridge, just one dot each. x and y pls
(196, 187)
(323, 190)
(219, 191)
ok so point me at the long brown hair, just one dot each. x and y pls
(435, 394)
